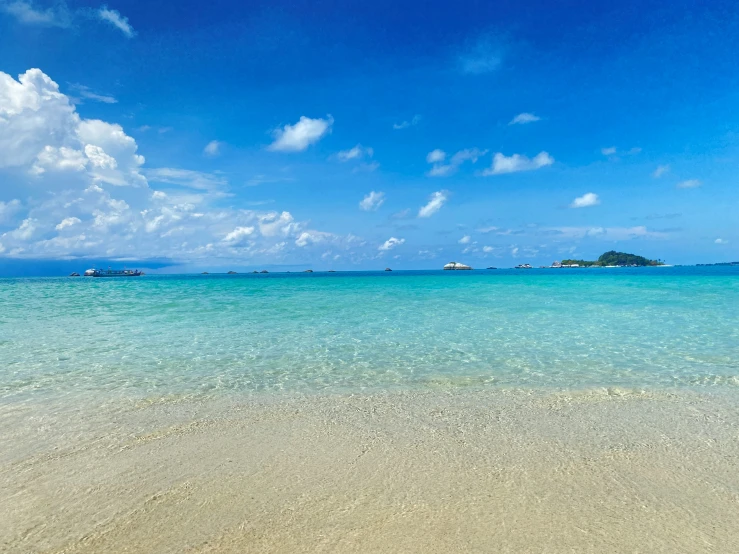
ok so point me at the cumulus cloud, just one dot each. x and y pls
(117, 20)
(524, 118)
(26, 12)
(409, 123)
(435, 156)
(721, 241)
(90, 196)
(298, 137)
(213, 148)
(586, 200)
(512, 164)
(661, 170)
(67, 222)
(439, 169)
(372, 201)
(689, 184)
(390, 243)
(356, 153)
(436, 201)
(465, 239)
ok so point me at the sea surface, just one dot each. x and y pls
(157, 336)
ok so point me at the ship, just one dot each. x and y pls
(456, 265)
(113, 273)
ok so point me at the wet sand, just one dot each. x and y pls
(435, 471)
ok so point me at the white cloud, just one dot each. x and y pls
(465, 239)
(661, 170)
(8, 209)
(524, 118)
(117, 20)
(405, 124)
(634, 150)
(298, 137)
(356, 153)
(511, 164)
(372, 201)
(438, 156)
(239, 235)
(26, 12)
(435, 156)
(607, 233)
(514, 251)
(67, 222)
(482, 57)
(436, 201)
(487, 229)
(213, 148)
(610, 151)
(721, 241)
(586, 200)
(689, 184)
(66, 166)
(488, 249)
(88, 94)
(390, 243)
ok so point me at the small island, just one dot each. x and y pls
(611, 259)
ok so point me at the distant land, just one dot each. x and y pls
(615, 258)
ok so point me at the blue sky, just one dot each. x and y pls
(330, 135)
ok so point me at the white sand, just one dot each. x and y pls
(464, 471)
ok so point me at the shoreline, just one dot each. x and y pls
(412, 471)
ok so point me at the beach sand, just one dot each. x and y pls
(433, 471)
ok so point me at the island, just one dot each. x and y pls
(611, 259)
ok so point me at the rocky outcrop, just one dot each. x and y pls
(388, 269)
(456, 265)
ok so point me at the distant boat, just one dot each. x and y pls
(231, 273)
(388, 269)
(308, 271)
(332, 271)
(205, 273)
(491, 268)
(113, 273)
(456, 265)
(74, 274)
(524, 266)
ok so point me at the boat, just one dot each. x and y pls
(113, 273)
(491, 267)
(524, 266)
(74, 274)
(456, 265)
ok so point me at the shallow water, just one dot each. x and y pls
(544, 329)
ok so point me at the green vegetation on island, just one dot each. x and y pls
(615, 258)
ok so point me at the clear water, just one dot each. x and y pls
(181, 335)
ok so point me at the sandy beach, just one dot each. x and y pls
(434, 471)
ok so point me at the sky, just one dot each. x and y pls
(190, 136)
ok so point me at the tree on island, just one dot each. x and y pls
(615, 258)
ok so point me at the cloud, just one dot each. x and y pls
(405, 124)
(524, 118)
(661, 170)
(402, 214)
(187, 178)
(356, 153)
(117, 20)
(372, 201)
(607, 233)
(436, 201)
(610, 151)
(721, 241)
(689, 184)
(586, 200)
(213, 148)
(484, 56)
(436, 156)
(487, 229)
(8, 209)
(67, 222)
(512, 164)
(88, 194)
(88, 94)
(26, 12)
(465, 239)
(390, 243)
(440, 170)
(488, 249)
(298, 137)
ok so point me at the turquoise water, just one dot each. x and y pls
(559, 329)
